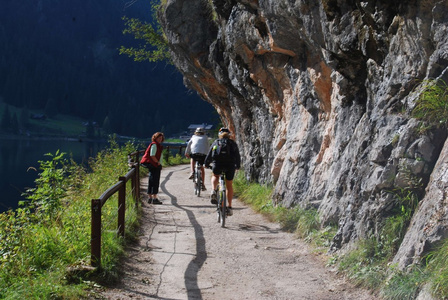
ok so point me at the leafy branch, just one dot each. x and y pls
(155, 47)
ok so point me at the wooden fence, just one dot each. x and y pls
(120, 187)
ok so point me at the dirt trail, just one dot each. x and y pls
(183, 253)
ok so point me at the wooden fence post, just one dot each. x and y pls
(95, 240)
(137, 180)
(137, 184)
(121, 205)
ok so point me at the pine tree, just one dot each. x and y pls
(6, 120)
(23, 118)
(106, 125)
(15, 124)
(51, 109)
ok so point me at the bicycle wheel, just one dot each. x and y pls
(223, 208)
(195, 182)
(198, 181)
(218, 210)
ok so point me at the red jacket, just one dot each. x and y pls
(146, 157)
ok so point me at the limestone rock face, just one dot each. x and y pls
(319, 95)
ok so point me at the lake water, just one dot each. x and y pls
(19, 163)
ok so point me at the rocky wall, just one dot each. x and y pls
(319, 95)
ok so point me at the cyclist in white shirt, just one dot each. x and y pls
(197, 149)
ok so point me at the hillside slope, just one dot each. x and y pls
(65, 55)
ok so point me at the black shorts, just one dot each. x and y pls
(219, 169)
(198, 157)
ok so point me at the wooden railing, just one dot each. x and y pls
(120, 187)
(97, 204)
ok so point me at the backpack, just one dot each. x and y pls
(221, 150)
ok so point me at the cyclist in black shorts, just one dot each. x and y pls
(197, 149)
(225, 156)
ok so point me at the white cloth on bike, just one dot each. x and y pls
(198, 144)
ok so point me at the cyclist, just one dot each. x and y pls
(197, 149)
(225, 156)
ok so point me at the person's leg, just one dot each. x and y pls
(150, 183)
(203, 175)
(230, 174)
(153, 185)
(191, 168)
(156, 181)
(215, 181)
(229, 192)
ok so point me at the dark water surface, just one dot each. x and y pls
(19, 163)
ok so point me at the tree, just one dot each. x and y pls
(14, 124)
(106, 125)
(90, 130)
(156, 46)
(51, 109)
(23, 118)
(6, 119)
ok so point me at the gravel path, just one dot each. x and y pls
(183, 253)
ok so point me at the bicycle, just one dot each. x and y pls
(197, 178)
(222, 200)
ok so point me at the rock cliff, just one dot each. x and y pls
(319, 95)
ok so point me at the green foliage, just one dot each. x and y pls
(36, 252)
(258, 196)
(432, 105)
(361, 264)
(168, 160)
(50, 189)
(155, 47)
(395, 226)
(211, 10)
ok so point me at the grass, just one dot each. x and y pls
(303, 222)
(437, 262)
(45, 244)
(61, 125)
(38, 246)
(432, 105)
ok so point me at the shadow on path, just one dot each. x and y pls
(191, 273)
